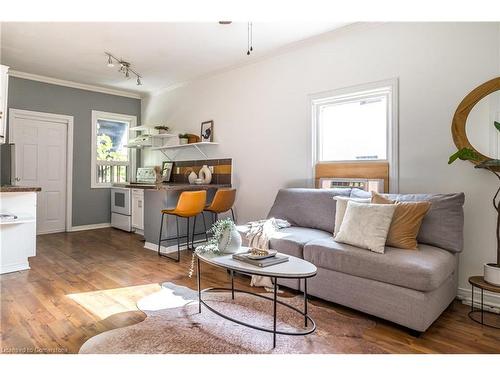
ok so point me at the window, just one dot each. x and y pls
(357, 124)
(112, 161)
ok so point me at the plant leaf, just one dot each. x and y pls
(497, 125)
(464, 154)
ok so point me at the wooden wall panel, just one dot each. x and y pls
(375, 170)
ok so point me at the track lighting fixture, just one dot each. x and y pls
(125, 67)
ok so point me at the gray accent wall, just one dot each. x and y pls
(90, 206)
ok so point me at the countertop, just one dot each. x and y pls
(178, 186)
(18, 189)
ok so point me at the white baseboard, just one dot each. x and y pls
(14, 267)
(491, 300)
(89, 227)
(164, 249)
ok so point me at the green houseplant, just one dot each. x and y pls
(491, 270)
(225, 240)
(183, 139)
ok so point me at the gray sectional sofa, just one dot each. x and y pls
(408, 287)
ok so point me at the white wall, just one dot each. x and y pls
(262, 120)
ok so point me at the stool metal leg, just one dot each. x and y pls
(232, 214)
(159, 238)
(194, 231)
(178, 239)
(187, 234)
(204, 225)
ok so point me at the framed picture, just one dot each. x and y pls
(207, 131)
(166, 171)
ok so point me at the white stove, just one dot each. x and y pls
(122, 197)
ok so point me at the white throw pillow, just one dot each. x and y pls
(341, 207)
(366, 225)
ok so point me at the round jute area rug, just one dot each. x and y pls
(173, 325)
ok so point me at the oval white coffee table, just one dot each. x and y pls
(295, 268)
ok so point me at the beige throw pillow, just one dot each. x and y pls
(341, 207)
(366, 225)
(406, 221)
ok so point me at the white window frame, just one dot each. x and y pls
(389, 86)
(96, 115)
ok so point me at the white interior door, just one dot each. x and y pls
(41, 160)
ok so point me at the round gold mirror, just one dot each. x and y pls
(476, 121)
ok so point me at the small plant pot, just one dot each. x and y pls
(492, 273)
(183, 141)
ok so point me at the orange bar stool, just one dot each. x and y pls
(223, 201)
(190, 204)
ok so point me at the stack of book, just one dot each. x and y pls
(264, 262)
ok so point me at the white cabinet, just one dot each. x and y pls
(18, 236)
(4, 87)
(138, 209)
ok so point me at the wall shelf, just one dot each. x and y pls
(197, 146)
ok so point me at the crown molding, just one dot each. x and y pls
(76, 85)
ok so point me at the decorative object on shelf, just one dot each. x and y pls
(158, 174)
(198, 181)
(225, 240)
(207, 131)
(183, 139)
(125, 67)
(162, 129)
(166, 170)
(205, 174)
(193, 138)
(475, 106)
(192, 177)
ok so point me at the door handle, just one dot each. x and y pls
(17, 179)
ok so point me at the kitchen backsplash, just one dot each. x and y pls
(222, 170)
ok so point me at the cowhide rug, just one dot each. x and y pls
(173, 325)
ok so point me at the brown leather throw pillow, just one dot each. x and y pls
(405, 223)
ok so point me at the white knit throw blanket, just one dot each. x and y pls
(258, 235)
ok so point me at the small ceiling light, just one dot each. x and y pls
(127, 75)
(110, 62)
(249, 38)
(225, 22)
(139, 83)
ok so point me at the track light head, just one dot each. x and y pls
(139, 83)
(127, 74)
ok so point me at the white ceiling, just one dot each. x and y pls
(165, 54)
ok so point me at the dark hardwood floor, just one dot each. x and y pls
(84, 283)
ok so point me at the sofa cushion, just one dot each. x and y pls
(290, 240)
(443, 224)
(424, 269)
(308, 208)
